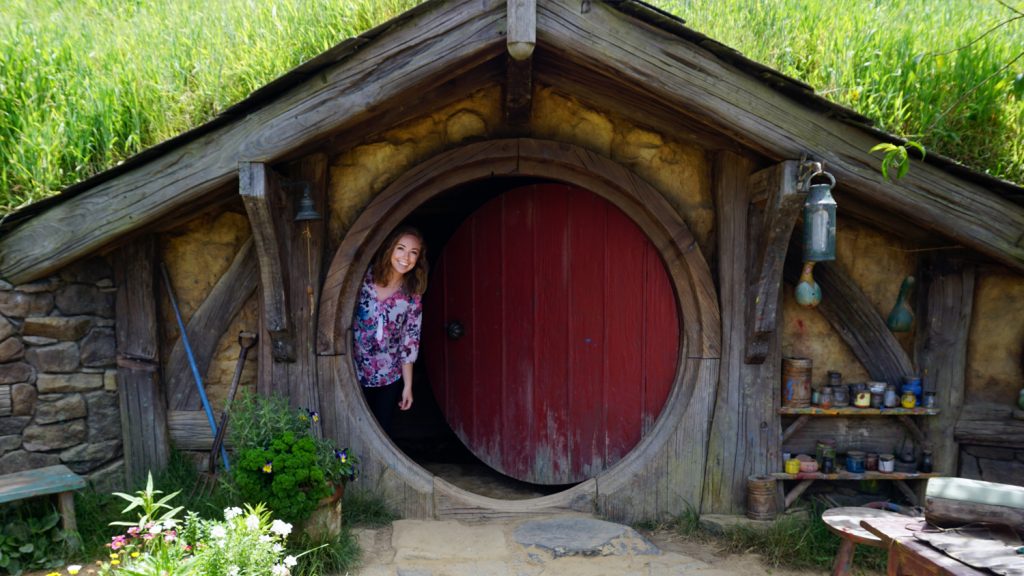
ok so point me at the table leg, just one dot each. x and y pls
(843, 564)
(66, 504)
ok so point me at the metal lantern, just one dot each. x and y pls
(820, 220)
(307, 208)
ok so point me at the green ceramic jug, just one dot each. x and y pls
(808, 293)
(901, 318)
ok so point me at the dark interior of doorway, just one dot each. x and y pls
(422, 433)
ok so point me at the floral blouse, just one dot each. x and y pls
(386, 333)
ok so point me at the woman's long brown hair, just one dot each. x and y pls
(415, 280)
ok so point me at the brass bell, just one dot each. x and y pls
(307, 208)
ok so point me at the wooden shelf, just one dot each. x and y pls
(844, 475)
(854, 411)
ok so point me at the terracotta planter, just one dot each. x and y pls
(325, 521)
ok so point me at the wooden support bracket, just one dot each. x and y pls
(795, 426)
(256, 186)
(520, 41)
(776, 202)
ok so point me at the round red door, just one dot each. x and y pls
(551, 334)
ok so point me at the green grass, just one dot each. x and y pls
(895, 61)
(86, 83)
(797, 541)
(365, 509)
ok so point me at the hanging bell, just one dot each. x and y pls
(820, 220)
(307, 208)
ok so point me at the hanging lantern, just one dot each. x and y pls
(819, 220)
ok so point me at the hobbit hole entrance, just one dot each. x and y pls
(569, 338)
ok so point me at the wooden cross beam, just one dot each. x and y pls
(520, 41)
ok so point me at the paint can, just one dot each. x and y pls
(886, 463)
(762, 498)
(824, 448)
(792, 466)
(855, 460)
(796, 382)
(871, 462)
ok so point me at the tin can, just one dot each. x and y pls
(855, 461)
(796, 382)
(792, 466)
(871, 461)
(886, 463)
(827, 465)
(929, 400)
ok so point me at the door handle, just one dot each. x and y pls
(454, 329)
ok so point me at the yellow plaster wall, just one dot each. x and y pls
(995, 350)
(197, 254)
(878, 263)
(680, 171)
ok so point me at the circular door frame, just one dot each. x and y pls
(691, 279)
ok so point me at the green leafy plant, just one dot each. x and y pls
(30, 537)
(146, 499)
(281, 461)
(896, 159)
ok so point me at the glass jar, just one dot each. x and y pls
(825, 401)
(926, 462)
(892, 399)
(909, 400)
(929, 400)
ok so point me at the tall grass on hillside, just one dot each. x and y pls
(895, 61)
(86, 83)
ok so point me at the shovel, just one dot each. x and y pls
(246, 340)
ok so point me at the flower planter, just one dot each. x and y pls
(325, 521)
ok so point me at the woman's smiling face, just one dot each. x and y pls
(405, 254)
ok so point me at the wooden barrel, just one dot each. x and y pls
(762, 498)
(796, 382)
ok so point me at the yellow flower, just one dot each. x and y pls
(135, 554)
(268, 467)
(115, 562)
(74, 569)
(113, 556)
(53, 574)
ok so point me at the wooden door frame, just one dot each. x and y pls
(629, 488)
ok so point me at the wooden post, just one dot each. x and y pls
(522, 28)
(745, 435)
(944, 306)
(143, 408)
(520, 41)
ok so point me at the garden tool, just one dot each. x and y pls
(192, 360)
(246, 340)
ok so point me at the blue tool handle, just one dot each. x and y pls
(192, 364)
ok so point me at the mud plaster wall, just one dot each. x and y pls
(197, 254)
(878, 263)
(995, 350)
(679, 171)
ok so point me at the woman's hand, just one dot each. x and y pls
(406, 402)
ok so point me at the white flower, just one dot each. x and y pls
(156, 529)
(290, 561)
(233, 571)
(279, 570)
(218, 532)
(265, 538)
(170, 523)
(230, 513)
(277, 548)
(252, 522)
(280, 528)
(74, 568)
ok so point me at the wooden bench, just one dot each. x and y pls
(57, 480)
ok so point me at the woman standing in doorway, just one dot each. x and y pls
(388, 321)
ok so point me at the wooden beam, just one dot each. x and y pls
(440, 43)
(945, 304)
(700, 85)
(744, 437)
(781, 202)
(518, 91)
(207, 325)
(259, 188)
(855, 319)
(522, 28)
(143, 411)
(989, 425)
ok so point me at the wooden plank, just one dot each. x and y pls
(844, 475)
(797, 490)
(870, 434)
(701, 86)
(518, 231)
(38, 482)
(259, 190)
(431, 48)
(855, 411)
(745, 436)
(945, 305)
(794, 427)
(141, 397)
(855, 319)
(454, 503)
(522, 28)
(783, 203)
(989, 425)
(207, 325)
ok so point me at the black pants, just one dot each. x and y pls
(383, 401)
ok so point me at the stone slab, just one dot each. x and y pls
(15, 372)
(99, 348)
(8, 443)
(11, 349)
(582, 536)
(45, 285)
(104, 416)
(67, 328)
(22, 305)
(78, 382)
(722, 523)
(6, 327)
(21, 460)
(75, 299)
(446, 540)
(13, 425)
(23, 398)
(53, 408)
(54, 436)
(58, 358)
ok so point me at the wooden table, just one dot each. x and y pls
(846, 523)
(908, 556)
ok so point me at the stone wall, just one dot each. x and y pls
(57, 368)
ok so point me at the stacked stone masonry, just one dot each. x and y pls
(58, 391)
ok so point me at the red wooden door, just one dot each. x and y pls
(570, 334)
